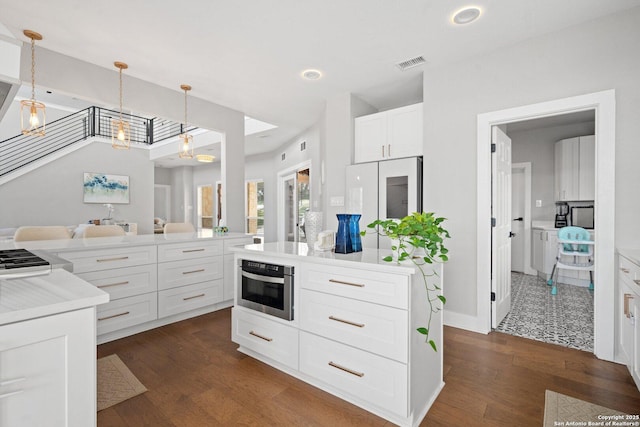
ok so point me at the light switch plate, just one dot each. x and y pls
(336, 201)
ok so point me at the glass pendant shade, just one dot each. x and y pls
(120, 134)
(32, 117)
(185, 142)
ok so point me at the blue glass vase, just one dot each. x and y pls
(354, 231)
(343, 236)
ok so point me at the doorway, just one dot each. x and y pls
(604, 105)
(294, 197)
(205, 207)
(521, 213)
(162, 202)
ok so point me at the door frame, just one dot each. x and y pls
(281, 178)
(526, 168)
(604, 297)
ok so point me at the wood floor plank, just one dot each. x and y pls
(196, 377)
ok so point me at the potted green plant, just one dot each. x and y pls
(419, 239)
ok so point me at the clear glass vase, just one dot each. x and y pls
(312, 226)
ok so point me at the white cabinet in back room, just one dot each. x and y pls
(390, 134)
(575, 169)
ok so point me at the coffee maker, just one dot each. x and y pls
(562, 211)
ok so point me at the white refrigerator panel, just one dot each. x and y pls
(362, 198)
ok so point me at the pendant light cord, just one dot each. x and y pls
(120, 94)
(33, 69)
(185, 111)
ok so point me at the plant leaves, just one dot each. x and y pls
(433, 345)
(423, 331)
(388, 258)
(442, 298)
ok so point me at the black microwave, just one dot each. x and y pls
(582, 216)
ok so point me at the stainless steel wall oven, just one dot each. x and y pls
(267, 288)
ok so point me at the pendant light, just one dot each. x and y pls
(32, 112)
(120, 133)
(185, 149)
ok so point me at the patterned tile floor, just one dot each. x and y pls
(565, 319)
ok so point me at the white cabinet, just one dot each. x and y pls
(48, 371)
(575, 169)
(629, 309)
(230, 266)
(389, 135)
(544, 250)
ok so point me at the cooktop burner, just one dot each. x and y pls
(19, 258)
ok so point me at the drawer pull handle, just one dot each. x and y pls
(12, 381)
(195, 296)
(260, 336)
(115, 315)
(359, 285)
(337, 319)
(193, 271)
(113, 284)
(11, 393)
(624, 270)
(112, 259)
(192, 250)
(627, 313)
(350, 371)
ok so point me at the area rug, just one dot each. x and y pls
(116, 383)
(565, 410)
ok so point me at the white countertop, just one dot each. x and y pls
(371, 259)
(106, 242)
(38, 296)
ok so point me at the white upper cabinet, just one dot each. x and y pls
(389, 135)
(575, 169)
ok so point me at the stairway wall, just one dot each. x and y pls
(53, 193)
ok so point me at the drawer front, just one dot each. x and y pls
(271, 339)
(375, 328)
(189, 250)
(188, 272)
(629, 272)
(124, 282)
(228, 243)
(362, 375)
(380, 288)
(126, 312)
(185, 298)
(105, 259)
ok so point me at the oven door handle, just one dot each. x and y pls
(261, 278)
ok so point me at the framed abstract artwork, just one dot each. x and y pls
(105, 188)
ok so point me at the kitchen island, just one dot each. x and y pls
(353, 332)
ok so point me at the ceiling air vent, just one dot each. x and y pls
(410, 63)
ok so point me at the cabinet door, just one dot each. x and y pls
(627, 320)
(370, 138)
(587, 178)
(550, 250)
(567, 161)
(405, 132)
(537, 250)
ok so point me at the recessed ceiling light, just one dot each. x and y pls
(466, 15)
(311, 74)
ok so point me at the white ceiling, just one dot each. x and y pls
(248, 54)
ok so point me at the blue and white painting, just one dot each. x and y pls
(103, 188)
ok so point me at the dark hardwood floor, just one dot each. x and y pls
(195, 377)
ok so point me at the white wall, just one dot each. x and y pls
(592, 57)
(53, 193)
(538, 147)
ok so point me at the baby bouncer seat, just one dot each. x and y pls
(575, 252)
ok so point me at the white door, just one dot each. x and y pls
(501, 232)
(517, 225)
(290, 211)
